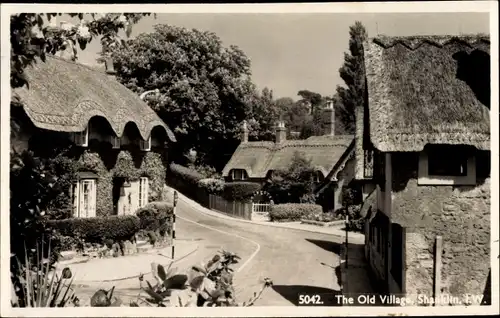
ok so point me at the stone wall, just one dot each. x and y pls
(460, 214)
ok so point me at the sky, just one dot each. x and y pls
(292, 51)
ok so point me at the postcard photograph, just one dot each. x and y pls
(298, 160)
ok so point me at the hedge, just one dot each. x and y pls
(240, 191)
(99, 229)
(156, 216)
(185, 180)
(212, 185)
(293, 211)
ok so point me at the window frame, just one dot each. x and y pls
(243, 174)
(78, 198)
(143, 194)
(424, 178)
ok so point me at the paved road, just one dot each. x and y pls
(296, 261)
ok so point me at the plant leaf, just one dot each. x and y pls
(199, 269)
(176, 282)
(197, 282)
(161, 272)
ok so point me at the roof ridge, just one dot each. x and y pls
(74, 63)
(415, 42)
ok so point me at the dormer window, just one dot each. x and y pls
(145, 144)
(318, 176)
(239, 174)
(446, 165)
(81, 138)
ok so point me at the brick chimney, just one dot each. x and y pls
(110, 69)
(329, 119)
(244, 132)
(280, 132)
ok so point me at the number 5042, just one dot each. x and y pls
(307, 299)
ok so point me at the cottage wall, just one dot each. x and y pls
(107, 163)
(344, 177)
(460, 214)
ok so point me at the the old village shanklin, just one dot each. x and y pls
(164, 174)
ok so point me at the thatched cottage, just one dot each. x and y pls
(331, 155)
(423, 152)
(115, 144)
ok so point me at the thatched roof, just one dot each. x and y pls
(64, 95)
(259, 157)
(428, 89)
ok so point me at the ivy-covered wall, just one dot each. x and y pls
(107, 163)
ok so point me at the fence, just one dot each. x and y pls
(261, 207)
(232, 208)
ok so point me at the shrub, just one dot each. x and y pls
(185, 180)
(322, 217)
(240, 191)
(211, 185)
(155, 216)
(99, 229)
(188, 175)
(293, 211)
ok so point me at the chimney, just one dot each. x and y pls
(244, 132)
(280, 132)
(329, 119)
(110, 69)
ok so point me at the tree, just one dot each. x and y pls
(295, 184)
(352, 72)
(263, 114)
(31, 38)
(204, 86)
(36, 186)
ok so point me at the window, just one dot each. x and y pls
(81, 138)
(446, 165)
(239, 174)
(143, 191)
(318, 176)
(84, 198)
(145, 145)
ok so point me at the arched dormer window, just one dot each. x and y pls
(318, 176)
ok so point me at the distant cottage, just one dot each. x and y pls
(423, 154)
(331, 155)
(119, 143)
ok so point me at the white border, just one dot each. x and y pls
(387, 7)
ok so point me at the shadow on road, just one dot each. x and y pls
(328, 245)
(292, 292)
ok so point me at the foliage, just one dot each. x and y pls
(103, 298)
(352, 72)
(263, 115)
(203, 86)
(184, 180)
(240, 191)
(209, 285)
(212, 186)
(99, 229)
(322, 217)
(293, 211)
(157, 217)
(31, 38)
(351, 195)
(294, 185)
(38, 285)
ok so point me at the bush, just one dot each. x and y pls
(323, 217)
(185, 180)
(293, 211)
(211, 185)
(155, 216)
(240, 191)
(188, 175)
(99, 229)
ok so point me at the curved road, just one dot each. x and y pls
(296, 261)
